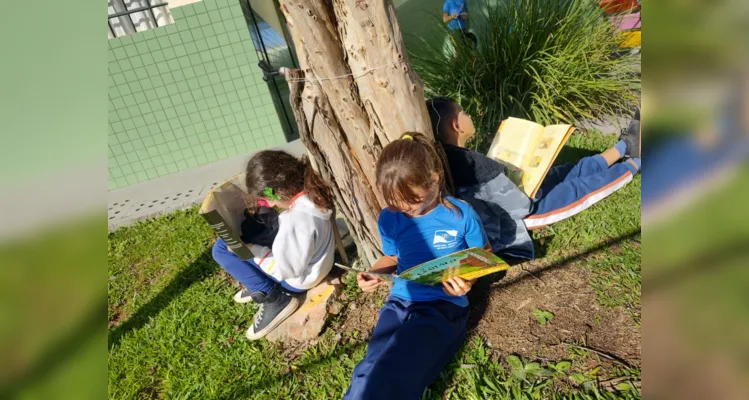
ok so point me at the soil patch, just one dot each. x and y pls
(360, 316)
(356, 318)
(509, 325)
(502, 315)
(116, 319)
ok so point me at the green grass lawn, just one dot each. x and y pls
(176, 333)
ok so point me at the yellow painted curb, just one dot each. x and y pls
(317, 299)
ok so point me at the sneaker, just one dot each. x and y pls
(243, 296)
(274, 309)
(631, 136)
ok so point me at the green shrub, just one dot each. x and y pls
(545, 60)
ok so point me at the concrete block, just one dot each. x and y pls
(307, 322)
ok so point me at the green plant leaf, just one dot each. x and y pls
(543, 317)
(488, 382)
(543, 372)
(517, 367)
(519, 374)
(514, 362)
(563, 366)
(579, 378)
(623, 387)
(532, 367)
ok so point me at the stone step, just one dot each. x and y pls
(309, 319)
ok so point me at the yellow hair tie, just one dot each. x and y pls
(407, 137)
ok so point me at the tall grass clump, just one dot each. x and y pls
(549, 61)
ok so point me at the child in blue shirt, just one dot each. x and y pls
(420, 327)
(455, 14)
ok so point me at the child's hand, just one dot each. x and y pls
(367, 282)
(457, 286)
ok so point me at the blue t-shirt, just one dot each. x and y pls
(455, 7)
(440, 232)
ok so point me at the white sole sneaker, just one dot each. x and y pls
(242, 300)
(286, 313)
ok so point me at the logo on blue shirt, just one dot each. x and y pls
(418, 240)
(444, 239)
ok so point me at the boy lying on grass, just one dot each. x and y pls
(506, 211)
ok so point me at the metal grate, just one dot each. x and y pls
(126, 17)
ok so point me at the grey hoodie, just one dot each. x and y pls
(483, 183)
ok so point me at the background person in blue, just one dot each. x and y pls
(420, 327)
(455, 14)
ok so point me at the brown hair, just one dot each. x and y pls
(411, 162)
(287, 176)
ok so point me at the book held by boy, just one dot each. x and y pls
(466, 264)
(528, 149)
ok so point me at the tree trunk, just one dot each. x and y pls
(356, 92)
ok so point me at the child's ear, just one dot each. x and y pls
(455, 126)
(435, 177)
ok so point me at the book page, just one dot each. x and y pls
(467, 264)
(223, 208)
(515, 142)
(478, 263)
(229, 199)
(551, 142)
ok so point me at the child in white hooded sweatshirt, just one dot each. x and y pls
(303, 250)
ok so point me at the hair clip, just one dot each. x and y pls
(407, 137)
(268, 192)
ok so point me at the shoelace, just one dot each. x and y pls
(259, 316)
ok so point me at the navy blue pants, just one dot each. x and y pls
(246, 271)
(410, 345)
(570, 188)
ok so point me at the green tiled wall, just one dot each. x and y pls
(186, 94)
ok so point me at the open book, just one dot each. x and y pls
(528, 150)
(467, 264)
(223, 209)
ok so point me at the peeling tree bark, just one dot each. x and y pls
(356, 92)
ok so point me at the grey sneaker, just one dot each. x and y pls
(275, 307)
(243, 296)
(631, 136)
